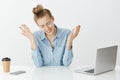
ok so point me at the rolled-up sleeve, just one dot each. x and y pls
(37, 57)
(67, 57)
(36, 54)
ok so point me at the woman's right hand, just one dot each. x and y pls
(26, 32)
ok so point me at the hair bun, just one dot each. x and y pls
(37, 9)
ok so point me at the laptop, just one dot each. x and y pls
(105, 61)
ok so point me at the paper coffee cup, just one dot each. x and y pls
(6, 64)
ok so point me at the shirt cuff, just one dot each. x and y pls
(69, 51)
(34, 51)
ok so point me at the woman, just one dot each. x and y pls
(51, 46)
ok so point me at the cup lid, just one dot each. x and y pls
(6, 59)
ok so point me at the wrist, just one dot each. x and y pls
(69, 45)
(31, 38)
(33, 44)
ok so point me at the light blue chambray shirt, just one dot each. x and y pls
(45, 55)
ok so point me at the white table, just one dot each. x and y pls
(55, 73)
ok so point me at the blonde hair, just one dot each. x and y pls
(40, 12)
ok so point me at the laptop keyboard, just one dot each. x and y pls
(90, 71)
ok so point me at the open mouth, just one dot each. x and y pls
(49, 31)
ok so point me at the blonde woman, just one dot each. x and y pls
(51, 46)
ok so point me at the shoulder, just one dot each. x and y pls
(64, 30)
(38, 33)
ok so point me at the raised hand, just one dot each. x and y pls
(72, 36)
(74, 33)
(26, 32)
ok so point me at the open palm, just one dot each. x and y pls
(74, 33)
(26, 31)
(72, 36)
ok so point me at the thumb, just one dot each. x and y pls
(72, 30)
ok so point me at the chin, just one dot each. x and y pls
(49, 33)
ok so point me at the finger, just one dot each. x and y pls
(73, 31)
(78, 29)
(22, 29)
(25, 26)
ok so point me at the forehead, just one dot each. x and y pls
(43, 20)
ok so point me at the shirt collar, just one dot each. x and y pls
(58, 34)
(43, 35)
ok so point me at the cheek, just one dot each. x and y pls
(44, 29)
(52, 24)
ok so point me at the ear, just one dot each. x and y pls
(52, 18)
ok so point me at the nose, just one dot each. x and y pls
(46, 27)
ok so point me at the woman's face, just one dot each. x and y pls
(46, 23)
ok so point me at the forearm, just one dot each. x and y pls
(67, 58)
(33, 43)
(69, 45)
(37, 58)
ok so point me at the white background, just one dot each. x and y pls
(99, 20)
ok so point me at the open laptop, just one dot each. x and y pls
(105, 61)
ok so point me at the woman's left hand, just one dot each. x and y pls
(72, 36)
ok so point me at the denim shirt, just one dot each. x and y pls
(45, 55)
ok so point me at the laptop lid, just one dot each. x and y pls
(105, 59)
